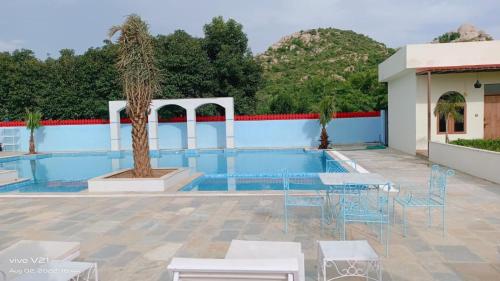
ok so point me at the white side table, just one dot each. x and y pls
(348, 258)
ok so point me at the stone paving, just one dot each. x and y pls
(9, 153)
(134, 238)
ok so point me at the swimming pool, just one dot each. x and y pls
(223, 170)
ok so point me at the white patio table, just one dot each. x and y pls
(348, 259)
(336, 182)
(339, 179)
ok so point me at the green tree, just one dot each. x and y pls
(80, 86)
(283, 103)
(21, 82)
(185, 68)
(237, 73)
(450, 105)
(326, 111)
(136, 64)
(33, 121)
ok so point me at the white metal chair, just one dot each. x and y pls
(434, 197)
(316, 201)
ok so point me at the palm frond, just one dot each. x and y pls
(33, 119)
(113, 30)
(136, 64)
(326, 110)
(450, 105)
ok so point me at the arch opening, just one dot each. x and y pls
(172, 127)
(455, 122)
(125, 141)
(210, 126)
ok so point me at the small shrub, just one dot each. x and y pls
(448, 37)
(493, 145)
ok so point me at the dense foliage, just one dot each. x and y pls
(65, 88)
(291, 77)
(304, 67)
(493, 145)
(80, 86)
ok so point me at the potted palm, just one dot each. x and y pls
(326, 112)
(449, 106)
(139, 75)
(32, 120)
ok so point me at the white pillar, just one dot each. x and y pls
(115, 164)
(192, 163)
(231, 180)
(191, 128)
(153, 130)
(229, 126)
(114, 126)
(155, 162)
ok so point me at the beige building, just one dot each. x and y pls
(419, 75)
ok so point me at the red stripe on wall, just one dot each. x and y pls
(302, 116)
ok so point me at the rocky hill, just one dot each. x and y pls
(302, 67)
(465, 33)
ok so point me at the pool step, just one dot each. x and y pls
(7, 176)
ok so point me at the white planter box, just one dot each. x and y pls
(106, 184)
(477, 162)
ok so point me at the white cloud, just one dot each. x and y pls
(10, 45)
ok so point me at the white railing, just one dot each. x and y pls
(9, 138)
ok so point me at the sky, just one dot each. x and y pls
(46, 26)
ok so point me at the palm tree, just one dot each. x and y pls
(326, 111)
(139, 76)
(449, 106)
(32, 120)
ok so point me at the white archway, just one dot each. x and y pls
(189, 105)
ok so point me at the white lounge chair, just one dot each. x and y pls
(242, 249)
(184, 269)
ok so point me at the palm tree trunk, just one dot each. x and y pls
(140, 145)
(33, 170)
(32, 142)
(447, 139)
(323, 138)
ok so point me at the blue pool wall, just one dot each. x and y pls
(248, 134)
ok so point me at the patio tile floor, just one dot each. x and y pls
(133, 238)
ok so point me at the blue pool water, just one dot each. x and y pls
(235, 170)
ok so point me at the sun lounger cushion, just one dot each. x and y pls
(243, 249)
(186, 269)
